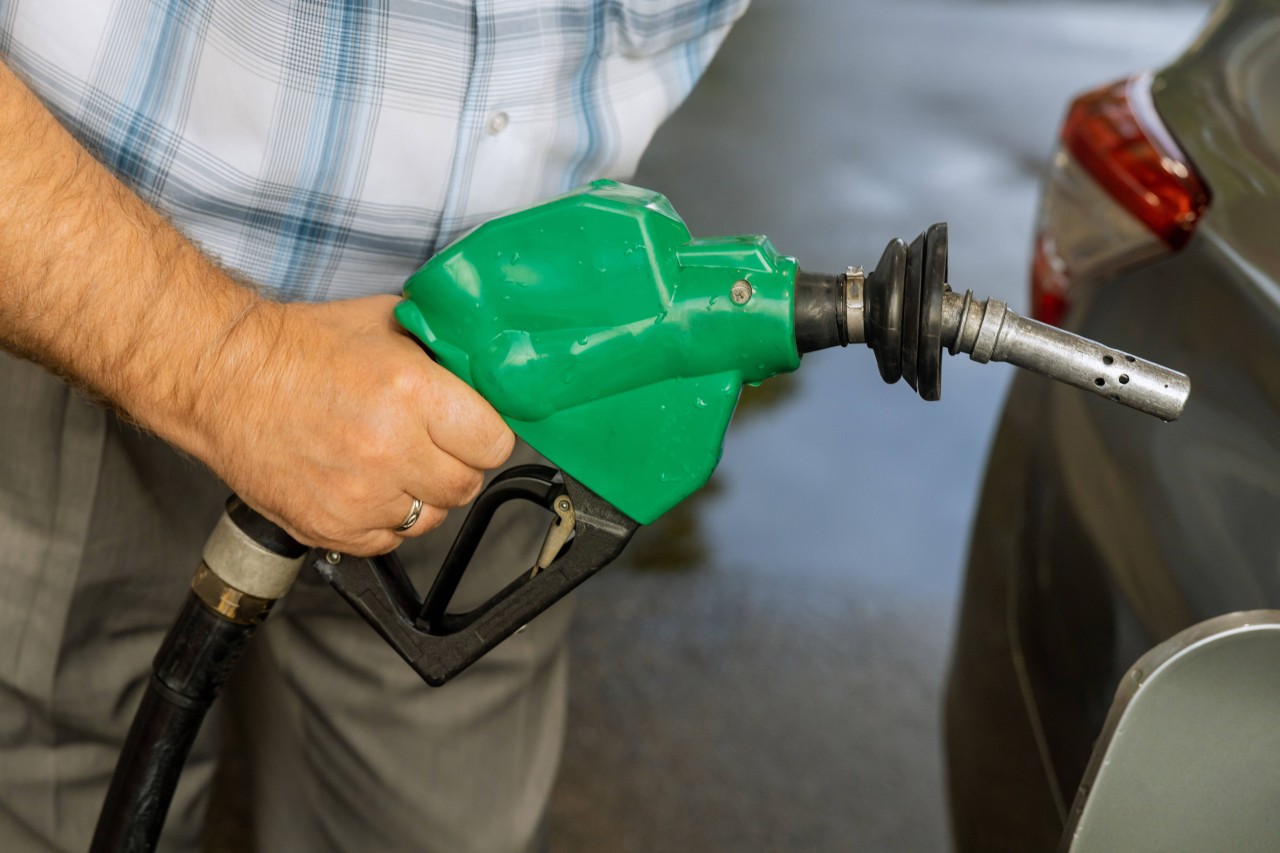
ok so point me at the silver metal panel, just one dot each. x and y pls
(1189, 759)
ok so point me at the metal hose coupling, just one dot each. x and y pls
(248, 564)
(905, 311)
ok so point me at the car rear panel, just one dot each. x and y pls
(1219, 101)
(1122, 530)
(1102, 532)
(1143, 528)
(1000, 793)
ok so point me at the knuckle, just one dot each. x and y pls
(476, 489)
(468, 486)
(432, 517)
(456, 488)
(404, 379)
(373, 543)
(500, 448)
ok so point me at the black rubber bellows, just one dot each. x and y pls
(904, 311)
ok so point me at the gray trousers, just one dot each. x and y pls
(101, 528)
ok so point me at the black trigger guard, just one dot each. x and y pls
(537, 484)
(438, 644)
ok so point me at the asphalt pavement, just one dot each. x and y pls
(763, 670)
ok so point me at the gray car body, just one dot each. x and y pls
(1102, 532)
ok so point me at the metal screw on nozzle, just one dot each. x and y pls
(741, 292)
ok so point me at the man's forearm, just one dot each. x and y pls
(96, 285)
(325, 417)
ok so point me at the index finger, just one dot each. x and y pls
(462, 424)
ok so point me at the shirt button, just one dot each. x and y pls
(497, 123)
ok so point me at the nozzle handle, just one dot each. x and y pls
(440, 644)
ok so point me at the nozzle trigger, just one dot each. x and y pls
(558, 535)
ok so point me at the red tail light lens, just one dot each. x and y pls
(1049, 282)
(1114, 140)
(1116, 135)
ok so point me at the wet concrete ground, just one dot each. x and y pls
(763, 669)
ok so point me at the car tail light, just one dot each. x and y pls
(1119, 192)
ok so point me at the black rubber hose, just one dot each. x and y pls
(819, 312)
(194, 661)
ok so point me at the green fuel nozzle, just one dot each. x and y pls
(616, 344)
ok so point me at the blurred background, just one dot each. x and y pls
(762, 670)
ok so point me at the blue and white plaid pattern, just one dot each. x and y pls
(326, 148)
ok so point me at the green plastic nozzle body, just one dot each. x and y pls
(608, 338)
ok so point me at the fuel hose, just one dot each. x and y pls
(248, 564)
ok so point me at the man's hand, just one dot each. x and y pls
(330, 419)
(324, 417)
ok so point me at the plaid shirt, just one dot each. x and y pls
(326, 149)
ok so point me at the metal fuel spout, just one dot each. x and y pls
(907, 313)
(988, 331)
